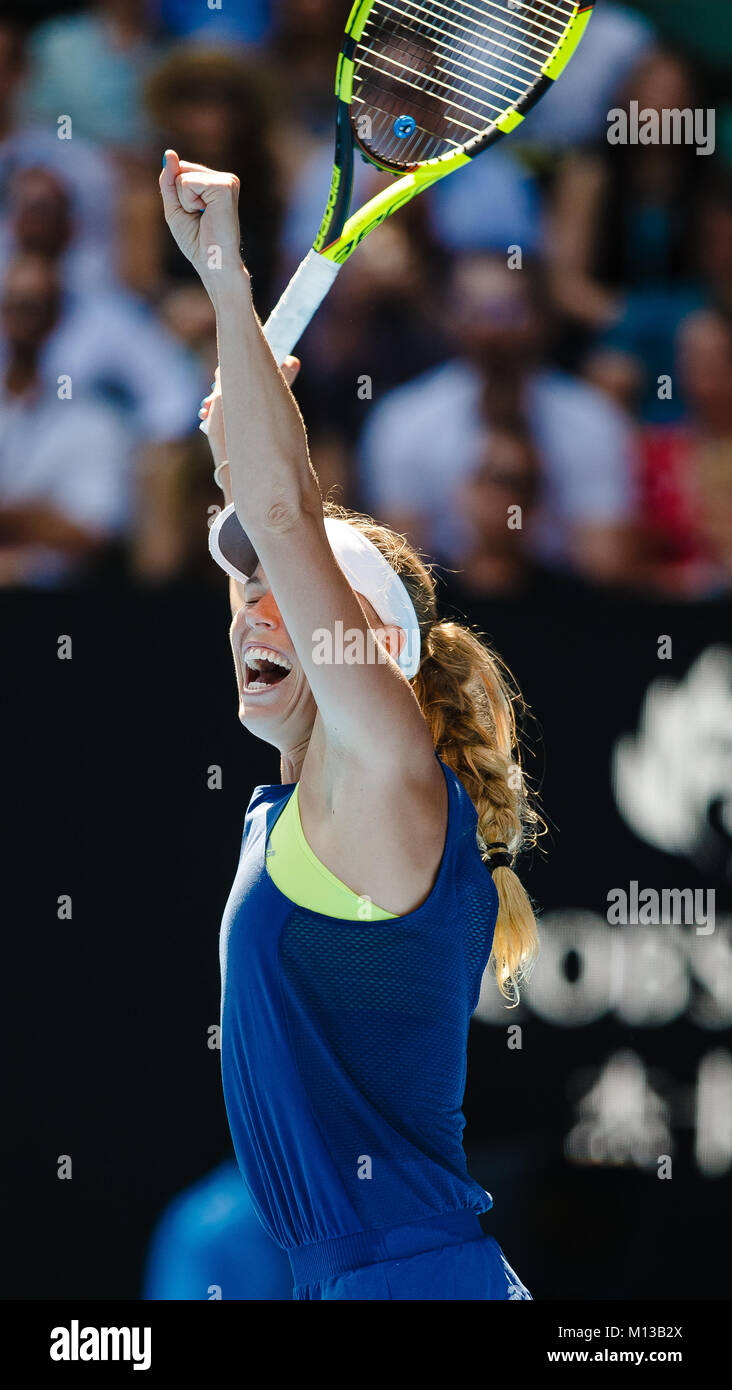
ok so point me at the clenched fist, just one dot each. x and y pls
(201, 209)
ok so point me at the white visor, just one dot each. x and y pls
(366, 569)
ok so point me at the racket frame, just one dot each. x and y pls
(339, 234)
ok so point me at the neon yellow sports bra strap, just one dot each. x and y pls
(302, 878)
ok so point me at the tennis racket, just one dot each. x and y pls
(423, 86)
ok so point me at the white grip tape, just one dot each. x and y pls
(291, 316)
(304, 294)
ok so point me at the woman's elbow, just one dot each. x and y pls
(280, 512)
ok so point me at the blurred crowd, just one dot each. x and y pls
(528, 371)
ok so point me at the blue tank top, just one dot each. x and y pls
(344, 1044)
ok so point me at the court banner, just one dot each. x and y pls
(616, 1067)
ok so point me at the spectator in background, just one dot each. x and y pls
(376, 328)
(245, 20)
(575, 110)
(498, 201)
(41, 220)
(64, 463)
(704, 33)
(714, 247)
(92, 66)
(209, 1243)
(218, 107)
(500, 502)
(687, 470)
(425, 438)
(625, 231)
(305, 44)
(104, 340)
(495, 200)
(88, 176)
(632, 361)
(176, 497)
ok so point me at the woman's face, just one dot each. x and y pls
(275, 700)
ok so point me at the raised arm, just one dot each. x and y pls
(212, 411)
(369, 709)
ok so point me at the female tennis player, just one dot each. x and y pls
(374, 883)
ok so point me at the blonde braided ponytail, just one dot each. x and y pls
(469, 698)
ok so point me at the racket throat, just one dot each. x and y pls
(341, 185)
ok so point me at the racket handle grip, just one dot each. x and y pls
(303, 296)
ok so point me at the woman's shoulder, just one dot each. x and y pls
(266, 795)
(462, 814)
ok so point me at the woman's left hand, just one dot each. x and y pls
(201, 209)
(212, 408)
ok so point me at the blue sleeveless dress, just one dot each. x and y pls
(343, 1055)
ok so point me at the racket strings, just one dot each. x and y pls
(445, 50)
(419, 13)
(550, 11)
(529, 34)
(401, 69)
(484, 20)
(448, 69)
(457, 41)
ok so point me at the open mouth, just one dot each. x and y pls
(264, 668)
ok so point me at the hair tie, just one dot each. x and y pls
(499, 861)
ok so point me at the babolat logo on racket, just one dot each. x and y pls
(332, 200)
(76, 1343)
